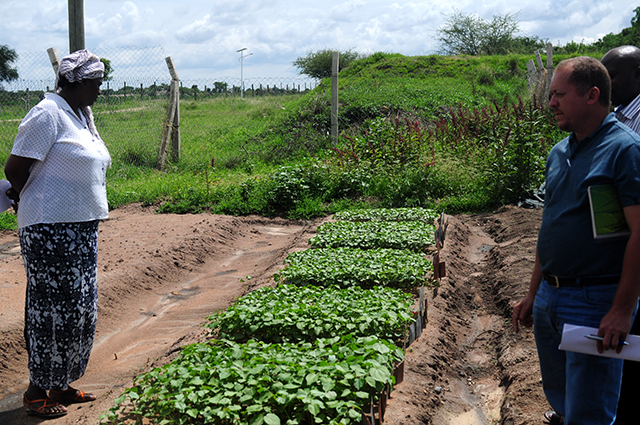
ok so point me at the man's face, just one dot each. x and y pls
(567, 105)
(625, 79)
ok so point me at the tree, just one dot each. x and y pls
(220, 87)
(462, 34)
(627, 37)
(7, 57)
(472, 35)
(499, 34)
(318, 64)
(107, 69)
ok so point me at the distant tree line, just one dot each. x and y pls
(627, 37)
(468, 34)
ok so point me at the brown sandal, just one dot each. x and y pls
(71, 396)
(44, 411)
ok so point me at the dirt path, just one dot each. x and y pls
(161, 275)
(468, 367)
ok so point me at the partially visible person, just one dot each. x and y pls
(623, 66)
(576, 279)
(57, 170)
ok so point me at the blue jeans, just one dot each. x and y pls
(582, 387)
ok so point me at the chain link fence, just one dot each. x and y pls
(134, 99)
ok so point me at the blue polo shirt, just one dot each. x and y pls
(610, 155)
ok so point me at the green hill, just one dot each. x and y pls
(456, 133)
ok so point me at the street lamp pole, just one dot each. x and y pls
(242, 56)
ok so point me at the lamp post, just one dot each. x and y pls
(242, 56)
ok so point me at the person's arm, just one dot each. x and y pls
(615, 325)
(17, 170)
(523, 311)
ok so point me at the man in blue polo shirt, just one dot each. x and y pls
(576, 279)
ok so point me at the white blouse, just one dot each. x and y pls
(67, 182)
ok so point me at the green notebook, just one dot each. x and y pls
(607, 217)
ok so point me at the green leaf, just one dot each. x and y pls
(380, 374)
(314, 409)
(196, 381)
(311, 378)
(271, 419)
(353, 413)
(362, 395)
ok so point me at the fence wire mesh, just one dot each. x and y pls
(134, 99)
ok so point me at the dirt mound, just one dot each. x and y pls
(161, 275)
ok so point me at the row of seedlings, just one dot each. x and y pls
(284, 355)
(308, 351)
(368, 248)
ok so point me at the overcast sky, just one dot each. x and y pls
(203, 36)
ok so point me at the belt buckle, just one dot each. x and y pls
(555, 281)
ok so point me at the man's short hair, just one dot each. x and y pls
(588, 72)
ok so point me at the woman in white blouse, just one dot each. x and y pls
(57, 170)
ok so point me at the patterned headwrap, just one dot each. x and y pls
(80, 65)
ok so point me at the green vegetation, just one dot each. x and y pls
(427, 131)
(289, 314)
(388, 214)
(7, 57)
(300, 354)
(366, 268)
(450, 133)
(328, 381)
(628, 36)
(412, 235)
(469, 34)
(318, 64)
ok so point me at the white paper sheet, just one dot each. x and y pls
(574, 339)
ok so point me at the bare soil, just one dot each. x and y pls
(160, 276)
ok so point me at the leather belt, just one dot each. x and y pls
(560, 282)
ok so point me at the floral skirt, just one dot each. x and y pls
(61, 307)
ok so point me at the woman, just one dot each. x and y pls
(57, 172)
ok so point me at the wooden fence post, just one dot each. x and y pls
(540, 77)
(547, 86)
(334, 97)
(172, 124)
(54, 59)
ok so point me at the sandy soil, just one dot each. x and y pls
(161, 275)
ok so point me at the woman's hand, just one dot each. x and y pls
(17, 170)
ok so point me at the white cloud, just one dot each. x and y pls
(203, 35)
(198, 31)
